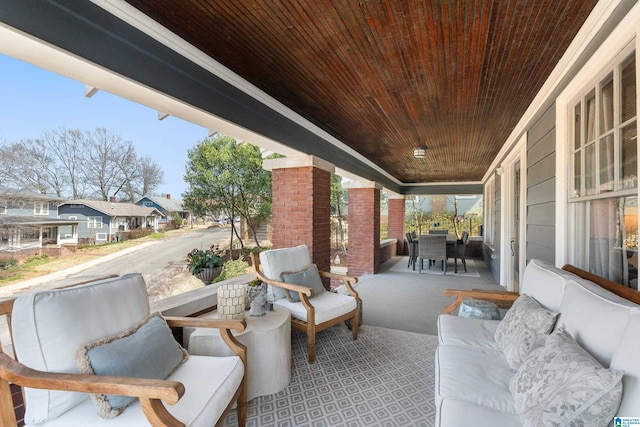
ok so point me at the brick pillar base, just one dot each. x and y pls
(396, 222)
(364, 229)
(301, 199)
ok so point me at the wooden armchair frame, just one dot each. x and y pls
(150, 392)
(309, 327)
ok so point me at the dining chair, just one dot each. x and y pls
(412, 245)
(432, 247)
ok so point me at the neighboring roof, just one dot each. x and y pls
(14, 193)
(115, 208)
(170, 205)
(13, 220)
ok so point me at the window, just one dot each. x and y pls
(489, 211)
(147, 203)
(94, 222)
(3, 207)
(604, 189)
(41, 208)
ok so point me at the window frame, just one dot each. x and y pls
(41, 208)
(93, 221)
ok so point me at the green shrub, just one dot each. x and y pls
(230, 269)
(7, 263)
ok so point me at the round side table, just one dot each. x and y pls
(479, 309)
(268, 341)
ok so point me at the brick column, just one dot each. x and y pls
(396, 228)
(301, 199)
(364, 228)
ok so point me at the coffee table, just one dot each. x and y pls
(268, 341)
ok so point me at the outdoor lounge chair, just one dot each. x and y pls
(289, 272)
(107, 324)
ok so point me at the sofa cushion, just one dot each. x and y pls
(454, 412)
(627, 359)
(49, 327)
(455, 330)
(204, 401)
(308, 277)
(545, 283)
(477, 376)
(595, 321)
(328, 306)
(524, 327)
(560, 383)
(149, 350)
(276, 261)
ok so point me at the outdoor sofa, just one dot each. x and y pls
(531, 368)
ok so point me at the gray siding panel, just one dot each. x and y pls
(542, 214)
(542, 193)
(542, 171)
(541, 181)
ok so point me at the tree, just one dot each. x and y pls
(338, 196)
(77, 164)
(226, 176)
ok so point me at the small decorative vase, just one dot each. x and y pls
(258, 298)
(231, 301)
(208, 275)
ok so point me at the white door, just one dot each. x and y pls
(513, 250)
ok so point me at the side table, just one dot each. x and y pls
(268, 341)
(479, 309)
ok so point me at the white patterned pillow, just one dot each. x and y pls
(561, 384)
(525, 327)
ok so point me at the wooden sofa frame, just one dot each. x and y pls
(505, 299)
(309, 327)
(150, 392)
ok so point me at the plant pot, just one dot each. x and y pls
(208, 275)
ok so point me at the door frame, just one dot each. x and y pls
(508, 214)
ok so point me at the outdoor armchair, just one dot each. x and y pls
(295, 284)
(108, 323)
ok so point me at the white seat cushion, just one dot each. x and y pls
(452, 412)
(50, 326)
(477, 376)
(597, 323)
(328, 306)
(455, 330)
(210, 383)
(627, 359)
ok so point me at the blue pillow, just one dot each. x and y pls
(149, 350)
(308, 277)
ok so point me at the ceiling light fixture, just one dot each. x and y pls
(420, 152)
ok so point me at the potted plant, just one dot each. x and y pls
(205, 264)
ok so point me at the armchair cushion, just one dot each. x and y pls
(525, 327)
(308, 277)
(561, 384)
(276, 261)
(328, 306)
(149, 350)
(49, 327)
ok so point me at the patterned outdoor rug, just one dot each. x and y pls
(384, 378)
(472, 271)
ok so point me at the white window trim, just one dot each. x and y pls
(489, 215)
(44, 208)
(625, 36)
(94, 220)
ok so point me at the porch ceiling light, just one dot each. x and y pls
(420, 152)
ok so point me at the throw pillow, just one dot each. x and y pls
(149, 350)
(561, 384)
(525, 327)
(309, 277)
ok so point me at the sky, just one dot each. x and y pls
(34, 101)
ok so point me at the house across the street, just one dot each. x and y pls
(168, 207)
(106, 221)
(29, 225)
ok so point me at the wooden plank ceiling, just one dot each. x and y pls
(386, 76)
